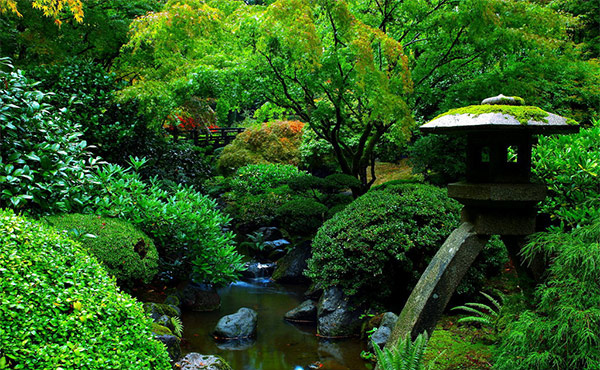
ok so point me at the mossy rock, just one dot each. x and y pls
(156, 310)
(196, 361)
(126, 252)
(160, 330)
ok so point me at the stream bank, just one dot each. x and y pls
(279, 345)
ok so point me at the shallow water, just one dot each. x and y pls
(279, 345)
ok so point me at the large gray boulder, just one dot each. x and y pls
(380, 337)
(336, 317)
(382, 334)
(290, 268)
(305, 312)
(157, 310)
(389, 320)
(241, 324)
(196, 361)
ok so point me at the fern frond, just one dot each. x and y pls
(473, 319)
(482, 313)
(177, 326)
(498, 303)
(407, 355)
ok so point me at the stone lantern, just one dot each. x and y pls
(498, 198)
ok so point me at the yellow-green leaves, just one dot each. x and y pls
(288, 26)
(50, 8)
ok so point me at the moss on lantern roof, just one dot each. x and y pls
(523, 114)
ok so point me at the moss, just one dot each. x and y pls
(160, 309)
(510, 99)
(160, 330)
(125, 251)
(460, 346)
(521, 114)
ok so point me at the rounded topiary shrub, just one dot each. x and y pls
(126, 252)
(378, 246)
(301, 216)
(59, 309)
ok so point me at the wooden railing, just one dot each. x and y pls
(217, 137)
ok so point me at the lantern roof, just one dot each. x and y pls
(500, 114)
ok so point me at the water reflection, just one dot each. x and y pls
(279, 345)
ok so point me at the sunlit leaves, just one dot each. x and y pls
(50, 8)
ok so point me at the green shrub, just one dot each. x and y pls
(257, 178)
(185, 225)
(272, 142)
(388, 235)
(563, 332)
(127, 253)
(338, 182)
(59, 309)
(177, 162)
(43, 159)
(88, 91)
(316, 155)
(301, 216)
(570, 166)
(251, 211)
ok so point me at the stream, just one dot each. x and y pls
(279, 345)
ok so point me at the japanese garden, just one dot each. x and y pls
(300, 184)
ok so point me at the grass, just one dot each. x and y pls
(386, 171)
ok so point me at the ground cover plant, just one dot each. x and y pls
(60, 309)
(125, 252)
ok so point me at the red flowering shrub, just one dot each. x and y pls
(272, 142)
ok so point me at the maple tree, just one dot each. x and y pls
(50, 8)
(347, 80)
(462, 51)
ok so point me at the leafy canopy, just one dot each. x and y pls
(347, 80)
(50, 8)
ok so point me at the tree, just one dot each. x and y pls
(465, 50)
(50, 8)
(181, 53)
(32, 39)
(349, 81)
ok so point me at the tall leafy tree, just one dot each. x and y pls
(33, 39)
(50, 8)
(465, 50)
(348, 80)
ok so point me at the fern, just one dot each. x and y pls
(484, 314)
(257, 241)
(407, 355)
(177, 326)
